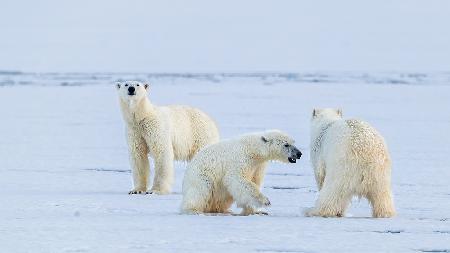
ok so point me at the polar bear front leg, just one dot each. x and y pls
(244, 192)
(162, 183)
(258, 178)
(248, 210)
(139, 164)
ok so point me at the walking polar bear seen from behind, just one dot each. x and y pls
(233, 171)
(167, 133)
(350, 158)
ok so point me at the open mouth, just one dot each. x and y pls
(131, 94)
(292, 160)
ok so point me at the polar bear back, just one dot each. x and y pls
(214, 160)
(190, 129)
(356, 144)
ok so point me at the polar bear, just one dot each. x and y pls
(350, 158)
(167, 133)
(233, 171)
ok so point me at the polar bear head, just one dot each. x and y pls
(132, 91)
(327, 113)
(280, 146)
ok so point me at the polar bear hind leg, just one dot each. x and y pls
(220, 200)
(334, 198)
(380, 198)
(382, 204)
(204, 132)
(210, 138)
(197, 192)
(204, 198)
(319, 174)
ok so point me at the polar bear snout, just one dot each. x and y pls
(294, 154)
(299, 154)
(131, 91)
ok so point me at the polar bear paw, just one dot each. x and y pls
(251, 211)
(261, 213)
(264, 201)
(314, 211)
(137, 191)
(159, 192)
(191, 212)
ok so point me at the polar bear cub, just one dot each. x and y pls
(167, 133)
(233, 171)
(350, 158)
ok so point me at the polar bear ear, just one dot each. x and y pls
(118, 84)
(315, 112)
(146, 85)
(339, 112)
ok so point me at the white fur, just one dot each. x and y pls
(167, 133)
(350, 158)
(233, 171)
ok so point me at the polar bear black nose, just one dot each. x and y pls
(298, 154)
(131, 89)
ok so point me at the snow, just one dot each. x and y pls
(64, 171)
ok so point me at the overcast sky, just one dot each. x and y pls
(229, 36)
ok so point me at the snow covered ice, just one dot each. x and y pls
(64, 171)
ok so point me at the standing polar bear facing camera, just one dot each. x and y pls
(233, 171)
(167, 133)
(350, 158)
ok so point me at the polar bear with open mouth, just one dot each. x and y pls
(166, 133)
(233, 171)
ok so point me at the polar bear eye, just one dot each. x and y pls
(286, 145)
(137, 84)
(126, 85)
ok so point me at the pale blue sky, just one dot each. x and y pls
(230, 36)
